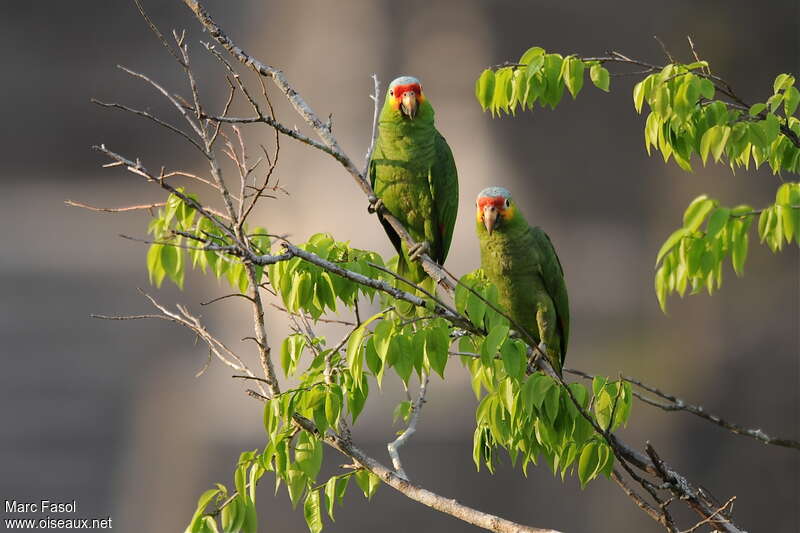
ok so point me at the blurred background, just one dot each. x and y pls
(110, 413)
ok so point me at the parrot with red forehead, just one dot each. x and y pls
(414, 176)
(521, 262)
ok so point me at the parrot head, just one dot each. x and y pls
(495, 208)
(405, 95)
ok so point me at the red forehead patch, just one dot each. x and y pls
(398, 90)
(497, 201)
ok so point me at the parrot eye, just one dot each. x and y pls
(507, 202)
(391, 92)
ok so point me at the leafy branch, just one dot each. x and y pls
(692, 112)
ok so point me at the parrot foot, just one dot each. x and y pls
(375, 206)
(417, 250)
(543, 347)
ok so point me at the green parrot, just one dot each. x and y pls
(521, 262)
(413, 174)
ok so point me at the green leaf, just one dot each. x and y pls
(154, 265)
(755, 109)
(513, 355)
(437, 342)
(530, 54)
(313, 512)
(296, 481)
(250, 522)
(501, 95)
(638, 96)
(476, 309)
(663, 101)
(330, 495)
(308, 454)
(573, 75)
(588, 463)
(353, 353)
(707, 89)
(713, 142)
(374, 362)
(367, 482)
(333, 405)
(484, 88)
(671, 241)
(402, 411)
(401, 357)
(232, 516)
(782, 81)
(552, 402)
(535, 65)
(170, 259)
(202, 502)
(599, 76)
(493, 340)
(790, 101)
(718, 219)
(356, 398)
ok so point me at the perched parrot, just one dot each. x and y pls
(414, 176)
(521, 262)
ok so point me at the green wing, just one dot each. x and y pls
(553, 276)
(443, 180)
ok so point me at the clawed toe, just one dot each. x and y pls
(417, 250)
(375, 206)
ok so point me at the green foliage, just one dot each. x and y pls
(236, 513)
(168, 256)
(307, 287)
(686, 118)
(692, 257)
(537, 77)
(529, 414)
(532, 415)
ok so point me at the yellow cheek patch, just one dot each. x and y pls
(479, 215)
(421, 98)
(395, 103)
(508, 212)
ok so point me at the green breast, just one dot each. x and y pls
(403, 157)
(509, 260)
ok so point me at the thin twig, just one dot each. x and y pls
(114, 209)
(400, 441)
(677, 404)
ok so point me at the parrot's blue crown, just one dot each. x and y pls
(403, 80)
(493, 192)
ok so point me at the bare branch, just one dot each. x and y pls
(189, 321)
(114, 209)
(396, 444)
(419, 494)
(677, 404)
(149, 116)
(168, 96)
(376, 100)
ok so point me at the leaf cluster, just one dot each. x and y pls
(181, 235)
(538, 77)
(693, 255)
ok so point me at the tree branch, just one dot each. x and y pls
(399, 442)
(419, 494)
(677, 404)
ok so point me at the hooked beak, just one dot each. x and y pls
(489, 217)
(408, 104)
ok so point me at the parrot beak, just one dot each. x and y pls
(489, 217)
(408, 104)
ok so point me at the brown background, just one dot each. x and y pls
(110, 414)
